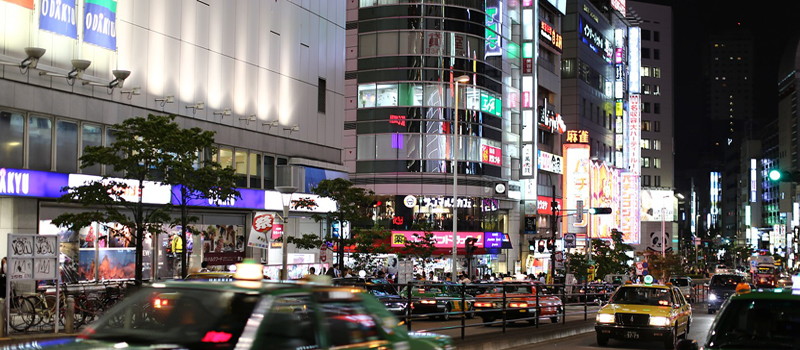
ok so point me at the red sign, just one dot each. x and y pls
(550, 36)
(277, 231)
(397, 220)
(491, 155)
(527, 65)
(397, 119)
(443, 239)
(263, 222)
(28, 4)
(544, 207)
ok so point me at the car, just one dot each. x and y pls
(685, 284)
(720, 287)
(754, 319)
(250, 314)
(209, 276)
(380, 288)
(597, 293)
(642, 312)
(520, 302)
(439, 298)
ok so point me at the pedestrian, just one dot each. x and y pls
(177, 251)
(312, 270)
(204, 266)
(3, 278)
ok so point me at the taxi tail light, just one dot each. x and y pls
(428, 302)
(160, 303)
(518, 305)
(479, 304)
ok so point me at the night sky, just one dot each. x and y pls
(771, 22)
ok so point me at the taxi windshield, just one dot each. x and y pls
(513, 288)
(191, 318)
(642, 296)
(762, 323)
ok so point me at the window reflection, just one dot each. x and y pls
(40, 137)
(12, 132)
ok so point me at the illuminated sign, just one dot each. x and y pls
(493, 240)
(753, 181)
(635, 60)
(634, 134)
(100, 23)
(31, 183)
(619, 5)
(491, 155)
(28, 4)
(445, 202)
(604, 188)
(491, 104)
(629, 208)
(250, 199)
(152, 192)
(550, 36)
(442, 239)
(747, 216)
(490, 204)
(715, 192)
(527, 160)
(397, 119)
(59, 17)
(550, 162)
(494, 23)
(576, 182)
(551, 121)
(591, 13)
(544, 205)
(596, 41)
(654, 203)
(577, 136)
(527, 94)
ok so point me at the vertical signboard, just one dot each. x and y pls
(494, 25)
(635, 60)
(259, 229)
(629, 208)
(100, 23)
(604, 188)
(634, 128)
(59, 17)
(576, 182)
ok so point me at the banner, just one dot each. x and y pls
(100, 23)
(259, 228)
(59, 17)
(28, 4)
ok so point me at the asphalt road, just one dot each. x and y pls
(701, 323)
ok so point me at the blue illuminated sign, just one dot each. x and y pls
(31, 183)
(59, 17)
(250, 199)
(493, 240)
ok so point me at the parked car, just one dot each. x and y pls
(520, 302)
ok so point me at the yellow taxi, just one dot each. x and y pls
(644, 312)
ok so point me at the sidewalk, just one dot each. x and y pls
(515, 337)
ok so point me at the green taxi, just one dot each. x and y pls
(440, 299)
(757, 319)
(249, 314)
(644, 312)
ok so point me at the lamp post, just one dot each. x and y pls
(456, 140)
(286, 199)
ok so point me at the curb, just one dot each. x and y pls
(523, 336)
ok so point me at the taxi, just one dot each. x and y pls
(521, 302)
(763, 318)
(210, 276)
(644, 312)
(249, 313)
(443, 299)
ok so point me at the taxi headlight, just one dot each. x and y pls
(605, 318)
(659, 321)
(712, 297)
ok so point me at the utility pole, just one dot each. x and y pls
(554, 225)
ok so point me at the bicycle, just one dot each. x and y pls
(44, 306)
(22, 314)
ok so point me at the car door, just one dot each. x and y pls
(680, 310)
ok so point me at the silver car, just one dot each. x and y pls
(685, 285)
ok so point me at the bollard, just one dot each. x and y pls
(69, 315)
(2, 318)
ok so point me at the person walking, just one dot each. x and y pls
(177, 249)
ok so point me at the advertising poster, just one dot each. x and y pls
(605, 194)
(259, 229)
(576, 183)
(225, 244)
(115, 264)
(656, 203)
(68, 249)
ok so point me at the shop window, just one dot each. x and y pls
(91, 136)
(366, 95)
(40, 143)
(367, 46)
(386, 95)
(66, 146)
(365, 147)
(12, 134)
(269, 172)
(387, 44)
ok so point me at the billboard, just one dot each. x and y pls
(550, 162)
(654, 203)
(491, 155)
(604, 189)
(443, 239)
(629, 208)
(576, 183)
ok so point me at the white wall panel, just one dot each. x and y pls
(173, 14)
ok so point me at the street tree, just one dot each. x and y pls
(611, 257)
(422, 246)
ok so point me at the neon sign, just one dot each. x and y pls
(494, 23)
(397, 119)
(634, 134)
(551, 121)
(551, 36)
(578, 136)
(599, 44)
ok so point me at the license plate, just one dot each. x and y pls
(631, 335)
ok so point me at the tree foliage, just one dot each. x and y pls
(611, 257)
(662, 268)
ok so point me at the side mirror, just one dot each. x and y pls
(687, 344)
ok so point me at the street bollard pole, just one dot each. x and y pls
(69, 315)
(2, 318)
(504, 309)
(408, 308)
(463, 310)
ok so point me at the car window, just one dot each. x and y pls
(726, 280)
(680, 282)
(676, 295)
(348, 322)
(289, 323)
(757, 324)
(643, 296)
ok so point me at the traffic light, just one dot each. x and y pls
(777, 175)
(551, 245)
(599, 211)
(540, 247)
(470, 245)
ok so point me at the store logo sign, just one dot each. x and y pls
(100, 23)
(58, 16)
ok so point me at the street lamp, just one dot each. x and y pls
(456, 140)
(286, 199)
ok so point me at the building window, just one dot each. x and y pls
(645, 180)
(656, 90)
(657, 181)
(111, 138)
(91, 135)
(656, 54)
(656, 145)
(645, 71)
(656, 72)
(645, 162)
(646, 125)
(656, 36)
(321, 91)
(40, 143)
(645, 143)
(656, 126)
(646, 107)
(646, 89)
(12, 132)
(66, 146)
(255, 169)
(646, 34)
(269, 172)
(657, 108)
(645, 52)
(656, 163)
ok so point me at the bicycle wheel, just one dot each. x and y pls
(22, 314)
(91, 309)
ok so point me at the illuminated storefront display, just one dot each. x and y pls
(550, 162)
(576, 182)
(634, 135)
(604, 185)
(550, 36)
(443, 239)
(31, 183)
(153, 193)
(629, 208)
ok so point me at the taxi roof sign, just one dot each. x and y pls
(648, 279)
